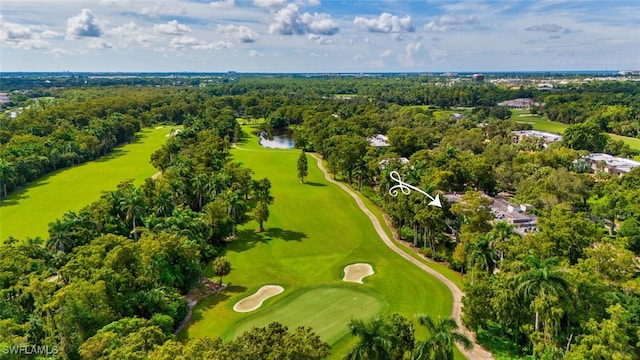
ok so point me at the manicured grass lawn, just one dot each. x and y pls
(28, 212)
(314, 231)
(540, 123)
(309, 307)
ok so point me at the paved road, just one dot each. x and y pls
(477, 352)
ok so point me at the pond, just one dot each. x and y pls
(277, 139)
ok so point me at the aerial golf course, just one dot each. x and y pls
(314, 231)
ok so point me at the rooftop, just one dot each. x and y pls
(622, 164)
(378, 140)
(539, 134)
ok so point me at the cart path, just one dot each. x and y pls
(478, 352)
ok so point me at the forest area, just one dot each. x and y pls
(109, 281)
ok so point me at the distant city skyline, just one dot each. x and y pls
(318, 36)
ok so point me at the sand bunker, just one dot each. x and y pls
(254, 301)
(356, 272)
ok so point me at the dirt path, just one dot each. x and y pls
(477, 352)
(205, 288)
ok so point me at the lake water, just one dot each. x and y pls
(279, 139)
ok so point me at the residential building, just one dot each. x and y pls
(503, 210)
(378, 140)
(611, 164)
(519, 103)
(547, 137)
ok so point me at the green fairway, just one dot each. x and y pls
(543, 124)
(28, 211)
(314, 231)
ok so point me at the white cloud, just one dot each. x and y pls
(20, 37)
(188, 42)
(13, 32)
(219, 45)
(321, 24)
(51, 34)
(185, 42)
(238, 32)
(270, 4)
(289, 21)
(408, 58)
(163, 9)
(99, 44)
(454, 23)
(131, 34)
(320, 39)
(223, 4)
(84, 24)
(173, 27)
(546, 27)
(385, 23)
(57, 52)
(255, 53)
(115, 3)
(437, 55)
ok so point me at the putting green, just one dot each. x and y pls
(27, 212)
(326, 309)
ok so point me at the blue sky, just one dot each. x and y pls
(319, 35)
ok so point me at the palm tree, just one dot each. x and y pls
(133, 206)
(7, 174)
(502, 231)
(542, 278)
(482, 253)
(164, 204)
(236, 208)
(442, 338)
(221, 267)
(59, 236)
(200, 183)
(374, 340)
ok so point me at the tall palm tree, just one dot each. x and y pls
(502, 231)
(133, 207)
(199, 184)
(442, 338)
(374, 339)
(482, 253)
(542, 278)
(7, 175)
(59, 236)
(236, 208)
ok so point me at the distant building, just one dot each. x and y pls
(611, 164)
(384, 162)
(477, 77)
(548, 138)
(519, 103)
(378, 140)
(4, 97)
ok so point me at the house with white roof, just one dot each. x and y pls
(611, 164)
